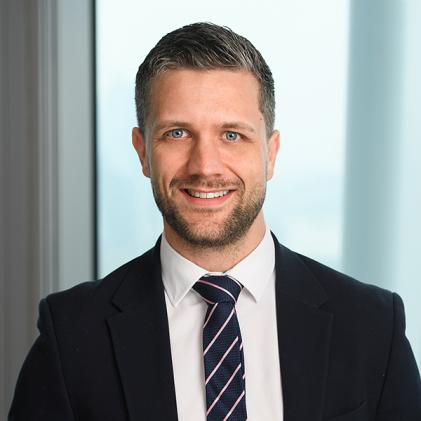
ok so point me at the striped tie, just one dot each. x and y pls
(222, 349)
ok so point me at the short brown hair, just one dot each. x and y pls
(205, 45)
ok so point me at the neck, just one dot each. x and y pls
(218, 259)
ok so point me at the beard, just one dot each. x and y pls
(210, 234)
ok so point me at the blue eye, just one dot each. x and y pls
(176, 133)
(232, 136)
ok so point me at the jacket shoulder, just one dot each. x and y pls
(360, 304)
(98, 292)
(343, 287)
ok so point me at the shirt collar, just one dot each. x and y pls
(253, 272)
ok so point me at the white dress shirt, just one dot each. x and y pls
(256, 311)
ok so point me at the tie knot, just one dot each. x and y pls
(218, 289)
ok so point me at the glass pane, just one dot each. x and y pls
(305, 44)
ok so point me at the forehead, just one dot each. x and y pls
(204, 94)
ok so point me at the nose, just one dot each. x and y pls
(205, 158)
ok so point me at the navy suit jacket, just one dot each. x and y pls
(104, 353)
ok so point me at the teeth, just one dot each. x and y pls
(210, 195)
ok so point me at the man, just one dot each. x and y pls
(218, 321)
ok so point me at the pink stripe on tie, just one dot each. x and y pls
(219, 332)
(221, 360)
(235, 280)
(235, 405)
(223, 389)
(217, 286)
(210, 315)
(208, 301)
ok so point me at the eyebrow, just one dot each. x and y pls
(169, 123)
(236, 125)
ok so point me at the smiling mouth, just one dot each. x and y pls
(206, 195)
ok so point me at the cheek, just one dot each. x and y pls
(256, 165)
(163, 171)
(168, 159)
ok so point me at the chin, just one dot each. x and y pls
(210, 235)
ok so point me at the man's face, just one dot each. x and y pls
(206, 152)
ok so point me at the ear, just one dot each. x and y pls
(273, 148)
(138, 141)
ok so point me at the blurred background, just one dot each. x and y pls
(74, 205)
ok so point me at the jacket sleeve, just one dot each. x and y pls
(40, 392)
(401, 394)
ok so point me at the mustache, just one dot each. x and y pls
(201, 182)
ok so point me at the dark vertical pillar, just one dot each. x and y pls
(19, 166)
(46, 165)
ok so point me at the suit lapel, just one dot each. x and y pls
(304, 337)
(140, 337)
